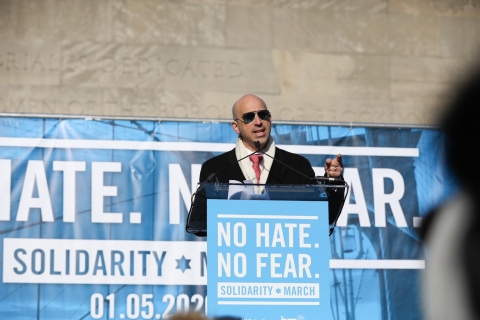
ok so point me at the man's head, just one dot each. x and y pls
(250, 130)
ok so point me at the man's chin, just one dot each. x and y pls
(263, 141)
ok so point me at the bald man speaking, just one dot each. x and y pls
(253, 159)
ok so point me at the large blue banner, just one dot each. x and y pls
(92, 216)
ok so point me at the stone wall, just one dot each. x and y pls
(379, 61)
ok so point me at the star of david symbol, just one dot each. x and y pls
(183, 264)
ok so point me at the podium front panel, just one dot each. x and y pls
(268, 259)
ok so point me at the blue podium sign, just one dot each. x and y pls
(268, 260)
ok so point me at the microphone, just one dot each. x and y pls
(323, 179)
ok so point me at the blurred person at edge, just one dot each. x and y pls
(197, 316)
(188, 316)
(451, 280)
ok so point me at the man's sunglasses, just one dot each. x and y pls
(249, 116)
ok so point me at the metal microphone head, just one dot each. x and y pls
(257, 145)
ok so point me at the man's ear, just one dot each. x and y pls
(235, 127)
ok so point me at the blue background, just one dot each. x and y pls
(362, 294)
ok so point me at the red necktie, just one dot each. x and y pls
(256, 158)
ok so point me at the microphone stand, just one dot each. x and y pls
(209, 179)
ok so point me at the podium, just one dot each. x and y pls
(267, 259)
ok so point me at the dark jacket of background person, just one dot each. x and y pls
(452, 232)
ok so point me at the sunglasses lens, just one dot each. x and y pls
(248, 117)
(263, 114)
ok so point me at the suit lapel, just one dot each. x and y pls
(277, 171)
(233, 172)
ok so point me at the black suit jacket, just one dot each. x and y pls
(279, 174)
(226, 167)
